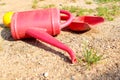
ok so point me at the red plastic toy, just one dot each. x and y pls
(41, 24)
(83, 23)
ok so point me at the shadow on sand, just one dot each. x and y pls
(6, 34)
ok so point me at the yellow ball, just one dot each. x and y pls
(7, 18)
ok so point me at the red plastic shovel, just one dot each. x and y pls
(83, 23)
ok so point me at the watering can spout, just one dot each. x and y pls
(45, 37)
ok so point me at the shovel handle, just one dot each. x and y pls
(69, 18)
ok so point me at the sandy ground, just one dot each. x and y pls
(35, 60)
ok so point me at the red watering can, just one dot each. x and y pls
(39, 24)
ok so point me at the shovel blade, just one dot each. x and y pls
(79, 26)
(83, 23)
(91, 20)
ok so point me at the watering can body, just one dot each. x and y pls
(47, 20)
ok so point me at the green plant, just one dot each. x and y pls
(2, 4)
(72, 9)
(34, 4)
(88, 2)
(104, 11)
(49, 6)
(90, 56)
(108, 12)
(82, 11)
(106, 1)
(73, 0)
(77, 10)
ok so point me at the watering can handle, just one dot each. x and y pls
(69, 20)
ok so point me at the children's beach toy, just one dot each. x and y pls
(45, 23)
(83, 23)
(40, 24)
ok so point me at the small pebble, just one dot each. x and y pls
(72, 78)
(45, 74)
